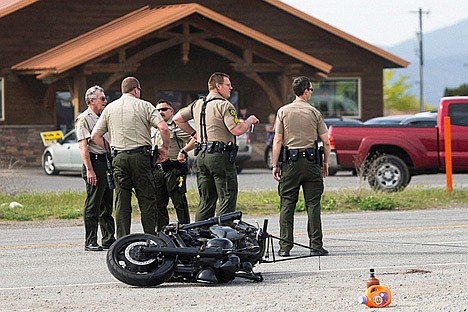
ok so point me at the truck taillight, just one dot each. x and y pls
(332, 142)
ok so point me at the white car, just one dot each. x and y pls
(65, 154)
(62, 156)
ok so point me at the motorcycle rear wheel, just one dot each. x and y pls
(127, 262)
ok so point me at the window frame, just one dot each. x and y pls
(356, 79)
(458, 117)
(2, 99)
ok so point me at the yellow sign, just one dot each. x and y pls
(50, 137)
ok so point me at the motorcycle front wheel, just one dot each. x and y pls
(127, 261)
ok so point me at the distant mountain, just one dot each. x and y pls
(445, 60)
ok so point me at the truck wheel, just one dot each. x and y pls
(268, 156)
(388, 173)
(332, 172)
(239, 167)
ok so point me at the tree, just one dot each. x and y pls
(396, 96)
(460, 90)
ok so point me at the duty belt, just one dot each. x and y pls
(294, 154)
(97, 157)
(213, 147)
(145, 150)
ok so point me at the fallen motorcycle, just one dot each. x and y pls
(216, 250)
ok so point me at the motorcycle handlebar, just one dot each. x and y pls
(236, 215)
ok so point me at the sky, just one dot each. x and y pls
(384, 23)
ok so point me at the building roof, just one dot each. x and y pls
(10, 6)
(137, 24)
(392, 60)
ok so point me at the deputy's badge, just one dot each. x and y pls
(82, 122)
(236, 120)
(232, 112)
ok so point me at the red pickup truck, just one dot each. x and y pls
(389, 155)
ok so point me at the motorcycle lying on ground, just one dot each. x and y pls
(216, 250)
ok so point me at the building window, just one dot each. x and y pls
(338, 97)
(2, 100)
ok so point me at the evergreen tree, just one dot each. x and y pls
(461, 90)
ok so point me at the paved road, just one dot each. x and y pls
(35, 180)
(421, 255)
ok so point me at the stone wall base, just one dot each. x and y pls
(22, 145)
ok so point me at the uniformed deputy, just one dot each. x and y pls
(171, 175)
(99, 197)
(297, 128)
(128, 121)
(217, 127)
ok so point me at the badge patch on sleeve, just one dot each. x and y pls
(82, 122)
(232, 112)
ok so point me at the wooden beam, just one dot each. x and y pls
(271, 93)
(285, 87)
(241, 41)
(77, 87)
(111, 79)
(219, 50)
(185, 44)
(110, 67)
(257, 67)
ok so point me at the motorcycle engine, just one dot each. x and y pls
(225, 232)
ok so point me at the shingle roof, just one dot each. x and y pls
(137, 24)
(335, 31)
(9, 6)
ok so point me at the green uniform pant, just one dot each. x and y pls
(171, 184)
(294, 175)
(216, 178)
(133, 171)
(98, 207)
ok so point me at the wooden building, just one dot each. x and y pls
(51, 51)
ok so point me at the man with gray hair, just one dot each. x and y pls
(99, 197)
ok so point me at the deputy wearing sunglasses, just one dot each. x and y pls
(171, 175)
(298, 127)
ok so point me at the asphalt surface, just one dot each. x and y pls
(35, 180)
(421, 255)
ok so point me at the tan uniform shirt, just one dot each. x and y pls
(128, 121)
(221, 117)
(176, 134)
(84, 125)
(300, 124)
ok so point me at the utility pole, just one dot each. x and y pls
(421, 59)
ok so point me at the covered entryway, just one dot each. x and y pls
(175, 48)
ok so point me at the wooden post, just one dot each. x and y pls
(77, 91)
(448, 153)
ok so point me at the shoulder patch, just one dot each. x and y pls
(232, 112)
(82, 122)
